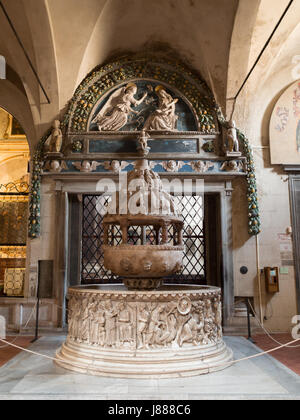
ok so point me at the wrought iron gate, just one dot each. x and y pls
(92, 267)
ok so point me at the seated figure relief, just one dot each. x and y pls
(164, 117)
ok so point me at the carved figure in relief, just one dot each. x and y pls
(232, 140)
(101, 330)
(172, 165)
(181, 321)
(169, 322)
(86, 166)
(189, 332)
(93, 323)
(142, 325)
(164, 117)
(77, 318)
(154, 326)
(209, 331)
(115, 166)
(56, 138)
(124, 324)
(55, 165)
(143, 148)
(110, 324)
(201, 166)
(84, 323)
(208, 309)
(231, 166)
(114, 114)
(218, 315)
(201, 322)
(73, 314)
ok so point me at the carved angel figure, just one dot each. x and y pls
(172, 166)
(55, 165)
(163, 118)
(115, 166)
(231, 166)
(56, 138)
(114, 114)
(86, 166)
(201, 166)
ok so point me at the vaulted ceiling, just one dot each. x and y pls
(66, 39)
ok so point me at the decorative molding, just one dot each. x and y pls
(291, 169)
(160, 166)
(19, 187)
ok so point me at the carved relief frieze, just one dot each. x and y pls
(144, 321)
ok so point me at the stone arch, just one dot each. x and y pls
(16, 104)
(102, 80)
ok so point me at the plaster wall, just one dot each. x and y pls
(253, 112)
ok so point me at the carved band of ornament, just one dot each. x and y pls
(15, 187)
(135, 133)
(146, 247)
(140, 295)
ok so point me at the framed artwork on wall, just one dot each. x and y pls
(285, 127)
(14, 129)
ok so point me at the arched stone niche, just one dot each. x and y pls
(187, 119)
(192, 92)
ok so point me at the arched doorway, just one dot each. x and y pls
(14, 192)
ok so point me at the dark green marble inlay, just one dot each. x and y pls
(156, 146)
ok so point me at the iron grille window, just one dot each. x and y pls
(92, 262)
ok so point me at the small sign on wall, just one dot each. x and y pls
(286, 249)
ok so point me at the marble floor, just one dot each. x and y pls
(29, 376)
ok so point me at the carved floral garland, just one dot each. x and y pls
(34, 223)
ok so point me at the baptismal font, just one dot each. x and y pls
(144, 328)
(144, 266)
